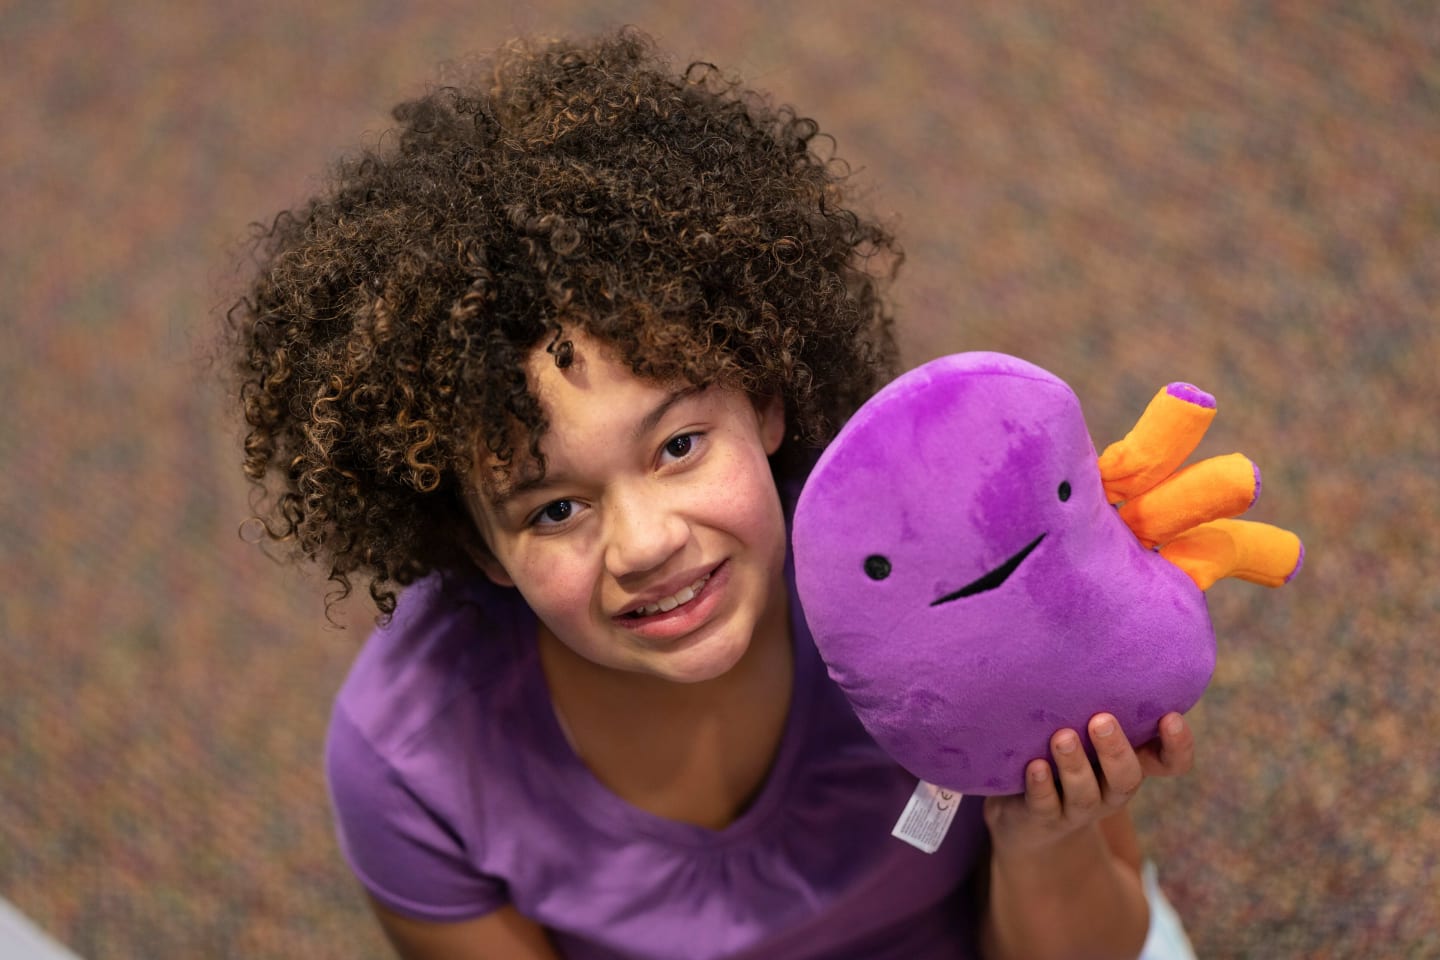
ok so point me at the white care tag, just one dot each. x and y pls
(927, 816)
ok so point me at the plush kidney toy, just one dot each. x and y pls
(975, 579)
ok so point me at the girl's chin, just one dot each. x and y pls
(706, 659)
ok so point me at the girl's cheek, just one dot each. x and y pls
(564, 564)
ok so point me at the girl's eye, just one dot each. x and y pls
(555, 513)
(678, 448)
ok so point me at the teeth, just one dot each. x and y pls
(666, 604)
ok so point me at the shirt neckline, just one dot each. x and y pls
(596, 802)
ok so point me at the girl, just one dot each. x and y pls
(555, 359)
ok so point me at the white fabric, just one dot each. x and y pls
(22, 940)
(1166, 939)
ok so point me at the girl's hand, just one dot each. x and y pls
(1078, 794)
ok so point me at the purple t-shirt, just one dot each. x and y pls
(456, 792)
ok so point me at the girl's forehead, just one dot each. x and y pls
(577, 359)
(594, 399)
(595, 394)
(597, 382)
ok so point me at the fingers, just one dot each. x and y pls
(1039, 807)
(1068, 791)
(1078, 782)
(1042, 798)
(1172, 753)
(1119, 766)
(1085, 789)
(1077, 791)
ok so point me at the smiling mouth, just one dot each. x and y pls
(994, 578)
(672, 602)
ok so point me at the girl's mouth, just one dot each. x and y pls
(666, 604)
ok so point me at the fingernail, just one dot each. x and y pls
(1105, 727)
(1066, 744)
(1174, 726)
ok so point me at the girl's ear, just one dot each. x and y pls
(481, 557)
(492, 569)
(772, 422)
(479, 553)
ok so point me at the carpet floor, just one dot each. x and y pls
(1241, 194)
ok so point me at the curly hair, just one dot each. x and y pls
(680, 219)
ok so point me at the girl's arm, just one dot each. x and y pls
(501, 935)
(1065, 862)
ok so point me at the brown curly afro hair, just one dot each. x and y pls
(682, 220)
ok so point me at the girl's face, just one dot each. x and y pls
(655, 543)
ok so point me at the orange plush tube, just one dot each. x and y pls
(1219, 487)
(1167, 432)
(1257, 552)
(1187, 514)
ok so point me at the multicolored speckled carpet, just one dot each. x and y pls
(1245, 195)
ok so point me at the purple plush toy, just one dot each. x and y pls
(973, 587)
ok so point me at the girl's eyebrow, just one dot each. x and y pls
(651, 419)
(505, 490)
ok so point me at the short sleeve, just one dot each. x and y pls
(404, 855)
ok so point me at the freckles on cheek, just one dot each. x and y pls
(734, 482)
(742, 488)
(556, 577)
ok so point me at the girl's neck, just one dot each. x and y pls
(693, 752)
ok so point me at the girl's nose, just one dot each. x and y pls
(643, 532)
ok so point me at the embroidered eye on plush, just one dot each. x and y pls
(877, 567)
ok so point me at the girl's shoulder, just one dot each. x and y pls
(430, 700)
(452, 641)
